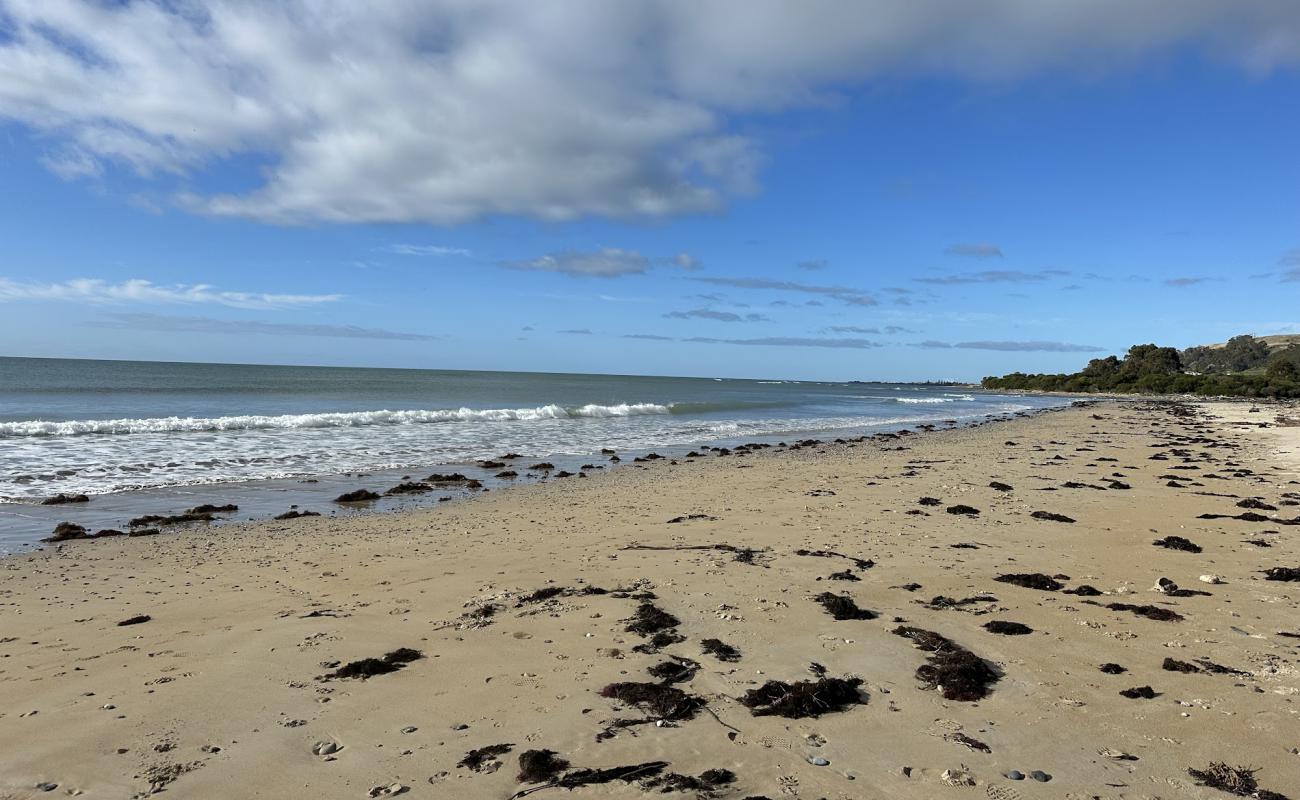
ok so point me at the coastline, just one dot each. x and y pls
(218, 692)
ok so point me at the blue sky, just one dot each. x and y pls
(903, 195)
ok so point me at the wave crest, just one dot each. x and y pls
(348, 419)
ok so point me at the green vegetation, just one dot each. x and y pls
(1243, 367)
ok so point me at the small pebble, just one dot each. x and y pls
(1040, 776)
(47, 787)
(819, 762)
(1016, 775)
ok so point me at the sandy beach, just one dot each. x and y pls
(232, 679)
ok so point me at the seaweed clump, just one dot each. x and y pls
(662, 702)
(1051, 516)
(1282, 574)
(649, 619)
(479, 758)
(803, 698)
(1239, 781)
(1139, 693)
(1031, 580)
(537, 766)
(370, 667)
(720, 650)
(1177, 543)
(1150, 612)
(955, 671)
(705, 784)
(842, 607)
(1007, 628)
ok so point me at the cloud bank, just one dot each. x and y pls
(94, 290)
(445, 111)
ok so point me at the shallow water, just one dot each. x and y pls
(145, 432)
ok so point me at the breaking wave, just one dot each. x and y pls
(351, 419)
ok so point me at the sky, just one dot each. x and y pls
(893, 190)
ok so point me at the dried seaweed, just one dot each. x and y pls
(1031, 580)
(720, 650)
(369, 667)
(842, 607)
(536, 766)
(803, 698)
(477, 759)
(1150, 612)
(952, 669)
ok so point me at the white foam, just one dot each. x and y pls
(353, 419)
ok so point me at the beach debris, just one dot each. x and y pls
(966, 741)
(391, 790)
(1111, 668)
(1084, 590)
(297, 515)
(842, 607)
(803, 699)
(691, 518)
(1282, 574)
(660, 701)
(484, 759)
(1239, 781)
(1031, 580)
(953, 670)
(860, 563)
(1007, 628)
(536, 766)
(957, 777)
(370, 667)
(174, 519)
(704, 785)
(210, 508)
(139, 619)
(1000, 486)
(410, 488)
(843, 575)
(1150, 612)
(592, 777)
(358, 496)
(1174, 665)
(1258, 505)
(678, 670)
(930, 501)
(1139, 693)
(1215, 579)
(1177, 543)
(62, 499)
(1051, 517)
(720, 650)
(66, 531)
(970, 511)
(649, 619)
(943, 601)
(326, 748)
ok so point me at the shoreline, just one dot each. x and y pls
(28, 524)
(220, 690)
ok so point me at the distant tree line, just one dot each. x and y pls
(1244, 367)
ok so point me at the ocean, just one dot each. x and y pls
(144, 432)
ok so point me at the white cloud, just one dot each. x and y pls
(426, 250)
(446, 111)
(178, 324)
(608, 262)
(94, 290)
(855, 297)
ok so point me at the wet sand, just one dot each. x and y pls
(222, 692)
